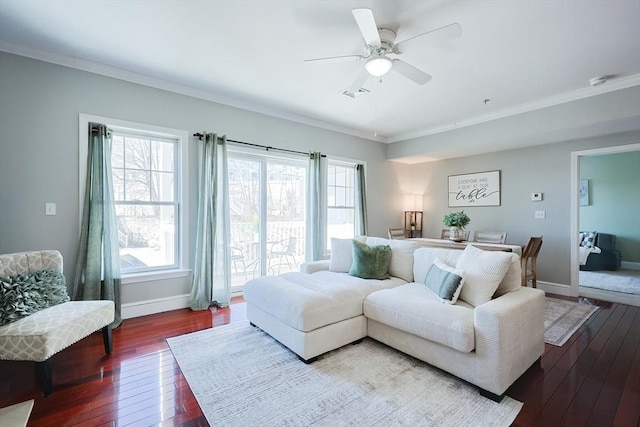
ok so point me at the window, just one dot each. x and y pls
(340, 201)
(144, 185)
(148, 166)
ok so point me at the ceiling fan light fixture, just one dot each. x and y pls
(378, 66)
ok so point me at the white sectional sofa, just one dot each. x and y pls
(487, 343)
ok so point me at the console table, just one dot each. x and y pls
(448, 244)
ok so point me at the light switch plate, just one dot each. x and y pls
(540, 214)
(49, 208)
(536, 197)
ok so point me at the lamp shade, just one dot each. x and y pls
(378, 66)
(413, 202)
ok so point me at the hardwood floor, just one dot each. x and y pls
(594, 379)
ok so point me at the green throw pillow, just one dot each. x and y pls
(24, 294)
(444, 281)
(370, 262)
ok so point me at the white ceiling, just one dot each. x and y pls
(519, 54)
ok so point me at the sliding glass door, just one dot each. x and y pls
(267, 197)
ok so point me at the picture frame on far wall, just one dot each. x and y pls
(584, 192)
(474, 189)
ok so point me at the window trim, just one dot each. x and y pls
(182, 191)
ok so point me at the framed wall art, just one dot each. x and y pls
(584, 192)
(474, 189)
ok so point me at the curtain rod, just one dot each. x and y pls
(266, 147)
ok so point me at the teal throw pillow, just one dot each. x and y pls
(25, 294)
(444, 281)
(370, 262)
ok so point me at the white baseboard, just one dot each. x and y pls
(152, 306)
(630, 265)
(617, 297)
(555, 288)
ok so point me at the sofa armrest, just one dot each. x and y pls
(313, 266)
(509, 337)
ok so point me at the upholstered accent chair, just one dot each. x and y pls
(44, 333)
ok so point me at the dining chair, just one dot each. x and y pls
(529, 261)
(396, 233)
(499, 237)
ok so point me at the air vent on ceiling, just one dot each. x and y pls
(354, 94)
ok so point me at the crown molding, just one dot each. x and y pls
(145, 80)
(611, 86)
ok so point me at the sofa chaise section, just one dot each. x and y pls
(311, 314)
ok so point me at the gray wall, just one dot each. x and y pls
(39, 107)
(543, 168)
(614, 208)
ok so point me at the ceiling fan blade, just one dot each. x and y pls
(336, 59)
(357, 83)
(410, 72)
(441, 34)
(367, 24)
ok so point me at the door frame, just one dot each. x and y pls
(575, 202)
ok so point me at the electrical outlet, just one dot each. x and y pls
(49, 208)
(540, 215)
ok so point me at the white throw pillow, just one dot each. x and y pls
(444, 281)
(483, 272)
(401, 256)
(423, 259)
(341, 254)
(512, 280)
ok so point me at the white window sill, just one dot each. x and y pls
(154, 275)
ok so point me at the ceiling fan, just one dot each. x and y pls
(379, 44)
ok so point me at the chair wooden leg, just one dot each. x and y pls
(107, 337)
(43, 370)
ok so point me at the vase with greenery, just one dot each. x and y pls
(456, 221)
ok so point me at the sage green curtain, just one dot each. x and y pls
(212, 270)
(97, 275)
(361, 202)
(316, 228)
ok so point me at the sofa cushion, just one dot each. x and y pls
(483, 270)
(444, 281)
(309, 301)
(401, 264)
(414, 309)
(512, 280)
(370, 262)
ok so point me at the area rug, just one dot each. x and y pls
(625, 281)
(16, 415)
(243, 377)
(562, 318)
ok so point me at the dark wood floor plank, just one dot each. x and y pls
(140, 383)
(537, 387)
(604, 409)
(628, 411)
(581, 406)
